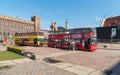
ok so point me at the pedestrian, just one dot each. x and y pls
(73, 45)
(69, 44)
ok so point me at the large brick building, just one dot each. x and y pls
(10, 25)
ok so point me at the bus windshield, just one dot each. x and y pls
(93, 41)
(41, 39)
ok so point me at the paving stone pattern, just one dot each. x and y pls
(99, 60)
(34, 68)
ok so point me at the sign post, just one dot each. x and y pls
(113, 33)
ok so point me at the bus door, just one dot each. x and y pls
(61, 41)
(78, 43)
(87, 44)
(93, 44)
(35, 41)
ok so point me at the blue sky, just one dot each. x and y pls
(80, 13)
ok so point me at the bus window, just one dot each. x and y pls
(72, 31)
(16, 40)
(78, 31)
(66, 40)
(51, 40)
(85, 30)
(56, 40)
(78, 40)
(93, 30)
(61, 40)
(26, 39)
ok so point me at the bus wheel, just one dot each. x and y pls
(55, 46)
(76, 48)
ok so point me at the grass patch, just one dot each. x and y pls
(7, 55)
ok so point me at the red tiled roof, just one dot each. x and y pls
(112, 21)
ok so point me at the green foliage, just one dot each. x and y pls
(15, 49)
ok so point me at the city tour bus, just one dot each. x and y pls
(85, 38)
(30, 39)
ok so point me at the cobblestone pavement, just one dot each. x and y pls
(101, 59)
(33, 68)
(42, 50)
(109, 46)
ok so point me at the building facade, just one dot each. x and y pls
(10, 25)
(109, 30)
(108, 34)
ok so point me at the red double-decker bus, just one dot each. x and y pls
(85, 38)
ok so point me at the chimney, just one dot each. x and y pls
(103, 21)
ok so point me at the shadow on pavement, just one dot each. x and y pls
(5, 67)
(50, 60)
(115, 70)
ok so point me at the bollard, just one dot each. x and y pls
(25, 53)
(33, 56)
(22, 52)
(105, 46)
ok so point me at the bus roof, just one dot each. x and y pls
(78, 30)
(27, 33)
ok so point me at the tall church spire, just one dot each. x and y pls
(66, 24)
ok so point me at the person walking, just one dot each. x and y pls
(73, 45)
(69, 45)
